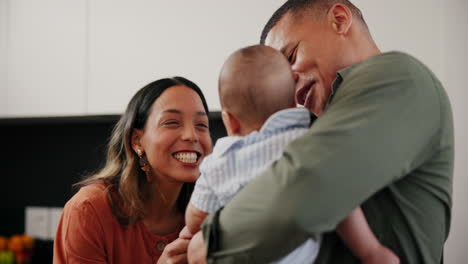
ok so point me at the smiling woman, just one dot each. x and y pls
(176, 135)
(132, 210)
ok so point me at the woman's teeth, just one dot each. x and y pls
(187, 157)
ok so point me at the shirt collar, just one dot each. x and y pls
(345, 72)
(226, 143)
(291, 117)
(340, 76)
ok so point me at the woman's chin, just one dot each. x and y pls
(189, 177)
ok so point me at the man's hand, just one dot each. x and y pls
(197, 249)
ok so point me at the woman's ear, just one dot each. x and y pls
(341, 18)
(231, 123)
(137, 134)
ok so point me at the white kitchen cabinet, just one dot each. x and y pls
(3, 56)
(46, 46)
(132, 43)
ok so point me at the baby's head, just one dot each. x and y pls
(254, 83)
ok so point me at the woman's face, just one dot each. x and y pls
(176, 136)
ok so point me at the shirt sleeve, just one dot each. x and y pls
(382, 124)
(203, 196)
(79, 237)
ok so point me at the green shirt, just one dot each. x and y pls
(385, 142)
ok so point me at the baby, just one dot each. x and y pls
(256, 89)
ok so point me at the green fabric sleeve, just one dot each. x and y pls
(382, 123)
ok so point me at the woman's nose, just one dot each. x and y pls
(189, 133)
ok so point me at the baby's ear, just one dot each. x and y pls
(231, 123)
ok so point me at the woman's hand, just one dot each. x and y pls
(185, 233)
(175, 252)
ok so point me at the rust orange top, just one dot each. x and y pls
(88, 232)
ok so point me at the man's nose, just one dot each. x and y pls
(295, 76)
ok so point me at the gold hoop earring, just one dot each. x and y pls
(144, 165)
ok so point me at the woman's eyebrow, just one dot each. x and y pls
(175, 111)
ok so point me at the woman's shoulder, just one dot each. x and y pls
(92, 206)
(93, 195)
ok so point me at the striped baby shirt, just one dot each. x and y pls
(236, 160)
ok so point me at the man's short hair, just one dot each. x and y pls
(298, 7)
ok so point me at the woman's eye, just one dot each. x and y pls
(202, 125)
(171, 123)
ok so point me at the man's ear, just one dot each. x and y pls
(137, 134)
(341, 18)
(231, 123)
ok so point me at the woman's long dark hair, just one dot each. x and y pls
(126, 182)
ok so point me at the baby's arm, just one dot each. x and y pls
(358, 236)
(194, 218)
(202, 201)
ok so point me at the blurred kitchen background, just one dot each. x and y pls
(69, 67)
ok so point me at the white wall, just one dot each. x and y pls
(456, 70)
(67, 57)
(415, 27)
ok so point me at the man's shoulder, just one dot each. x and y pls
(387, 65)
(391, 70)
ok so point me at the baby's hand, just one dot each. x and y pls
(185, 233)
(381, 255)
